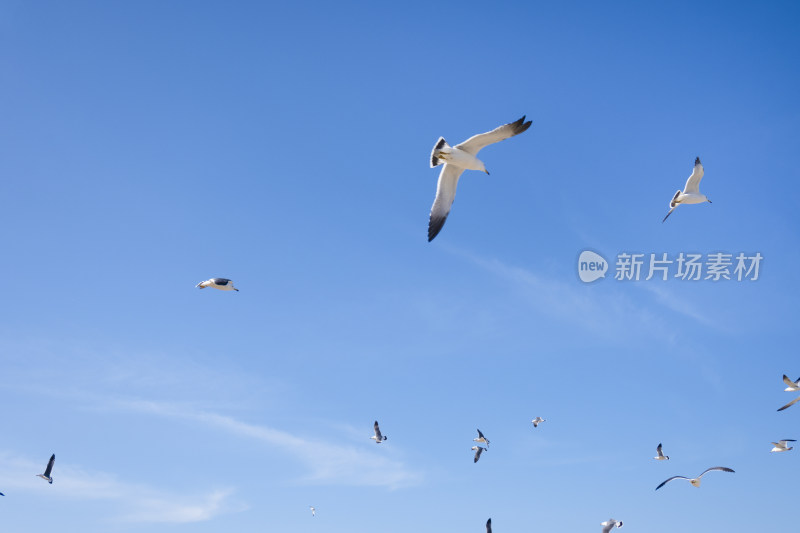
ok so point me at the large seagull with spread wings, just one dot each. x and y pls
(458, 158)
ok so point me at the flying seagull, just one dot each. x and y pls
(378, 438)
(793, 385)
(482, 439)
(489, 526)
(48, 470)
(660, 456)
(696, 481)
(691, 192)
(313, 511)
(222, 284)
(780, 446)
(538, 420)
(478, 451)
(458, 158)
(609, 524)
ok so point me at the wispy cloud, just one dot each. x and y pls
(136, 502)
(327, 463)
(591, 310)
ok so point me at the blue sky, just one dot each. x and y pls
(146, 147)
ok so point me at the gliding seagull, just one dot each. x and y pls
(793, 385)
(377, 437)
(660, 456)
(458, 158)
(478, 451)
(313, 511)
(691, 192)
(609, 524)
(780, 446)
(696, 481)
(538, 420)
(482, 439)
(48, 470)
(223, 284)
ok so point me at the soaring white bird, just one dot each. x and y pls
(660, 456)
(222, 284)
(482, 439)
(458, 158)
(794, 386)
(48, 470)
(489, 526)
(691, 192)
(609, 524)
(781, 445)
(377, 437)
(313, 511)
(538, 420)
(478, 451)
(696, 481)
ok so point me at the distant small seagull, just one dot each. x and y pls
(458, 158)
(48, 470)
(660, 456)
(780, 446)
(378, 438)
(609, 524)
(478, 451)
(489, 526)
(696, 481)
(222, 284)
(482, 439)
(793, 385)
(691, 192)
(538, 420)
(313, 511)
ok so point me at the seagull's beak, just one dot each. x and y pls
(709, 201)
(487, 172)
(237, 290)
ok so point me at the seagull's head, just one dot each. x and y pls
(695, 482)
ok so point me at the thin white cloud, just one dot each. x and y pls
(136, 502)
(327, 463)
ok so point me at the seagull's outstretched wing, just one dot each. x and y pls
(658, 450)
(789, 381)
(1, 494)
(445, 194)
(489, 526)
(670, 479)
(668, 214)
(480, 435)
(693, 183)
(378, 435)
(720, 468)
(476, 142)
(49, 468)
(790, 404)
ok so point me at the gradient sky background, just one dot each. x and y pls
(147, 146)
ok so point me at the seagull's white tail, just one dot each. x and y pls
(441, 145)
